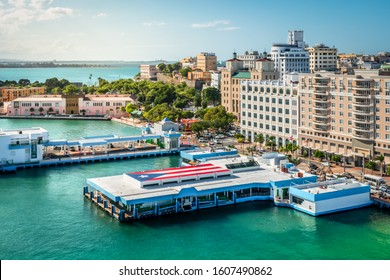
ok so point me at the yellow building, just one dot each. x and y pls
(206, 61)
(7, 94)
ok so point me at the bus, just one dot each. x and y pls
(373, 180)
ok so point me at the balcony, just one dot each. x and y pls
(362, 135)
(318, 89)
(321, 120)
(321, 112)
(366, 120)
(321, 105)
(321, 98)
(362, 92)
(362, 102)
(363, 128)
(321, 127)
(369, 110)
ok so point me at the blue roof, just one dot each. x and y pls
(166, 120)
(56, 143)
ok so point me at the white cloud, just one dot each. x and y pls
(210, 24)
(18, 13)
(101, 15)
(229, 28)
(154, 23)
(55, 12)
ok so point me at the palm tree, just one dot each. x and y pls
(50, 110)
(41, 110)
(381, 159)
(32, 110)
(259, 139)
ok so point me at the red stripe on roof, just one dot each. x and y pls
(172, 168)
(188, 175)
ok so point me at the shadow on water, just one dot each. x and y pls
(216, 214)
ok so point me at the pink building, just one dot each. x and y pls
(89, 105)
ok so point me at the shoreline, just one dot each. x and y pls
(130, 122)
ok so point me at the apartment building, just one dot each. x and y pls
(234, 73)
(291, 57)
(148, 72)
(11, 93)
(270, 108)
(322, 57)
(346, 114)
(206, 61)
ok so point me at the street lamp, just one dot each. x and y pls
(363, 166)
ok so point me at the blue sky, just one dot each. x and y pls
(171, 30)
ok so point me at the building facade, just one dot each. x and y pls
(22, 145)
(249, 58)
(9, 94)
(270, 108)
(89, 105)
(206, 61)
(148, 72)
(291, 57)
(234, 73)
(322, 58)
(346, 114)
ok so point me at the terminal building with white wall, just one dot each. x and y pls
(22, 145)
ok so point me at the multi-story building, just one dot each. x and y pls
(206, 61)
(346, 114)
(232, 75)
(270, 108)
(89, 105)
(215, 79)
(9, 94)
(22, 145)
(148, 72)
(249, 58)
(291, 57)
(322, 58)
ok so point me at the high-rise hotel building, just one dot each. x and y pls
(346, 114)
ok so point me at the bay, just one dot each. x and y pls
(44, 216)
(72, 74)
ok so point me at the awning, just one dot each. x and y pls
(92, 142)
(56, 143)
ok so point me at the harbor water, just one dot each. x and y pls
(44, 216)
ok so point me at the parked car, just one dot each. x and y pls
(220, 136)
(203, 140)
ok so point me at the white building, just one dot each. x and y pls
(291, 57)
(215, 79)
(22, 145)
(249, 59)
(270, 108)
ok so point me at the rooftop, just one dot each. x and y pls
(22, 131)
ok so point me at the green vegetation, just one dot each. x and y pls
(319, 154)
(370, 165)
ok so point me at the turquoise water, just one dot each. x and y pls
(44, 215)
(72, 74)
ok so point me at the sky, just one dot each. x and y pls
(136, 30)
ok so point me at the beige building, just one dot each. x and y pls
(148, 72)
(234, 73)
(206, 61)
(9, 94)
(322, 57)
(347, 115)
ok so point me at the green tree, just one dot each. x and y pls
(50, 110)
(381, 159)
(41, 110)
(184, 71)
(130, 108)
(319, 154)
(24, 82)
(197, 100)
(271, 142)
(71, 89)
(212, 94)
(218, 118)
(32, 110)
(199, 127)
(371, 164)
